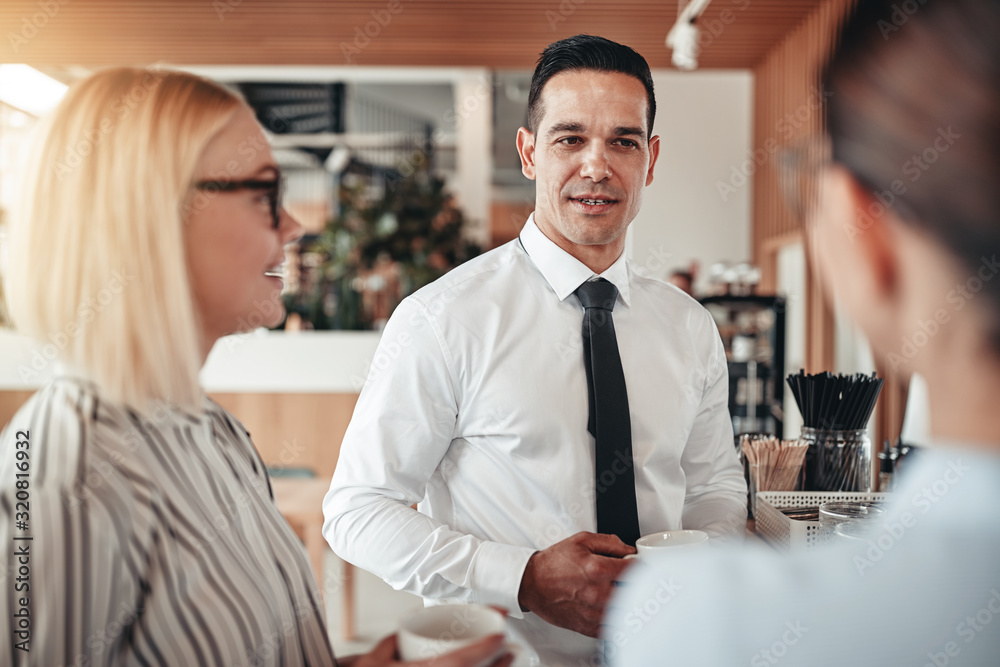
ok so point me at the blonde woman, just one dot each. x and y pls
(151, 225)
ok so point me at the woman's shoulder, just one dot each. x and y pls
(71, 437)
(231, 432)
(51, 428)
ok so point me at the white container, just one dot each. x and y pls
(440, 629)
(793, 535)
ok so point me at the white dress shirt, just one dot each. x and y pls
(922, 588)
(476, 407)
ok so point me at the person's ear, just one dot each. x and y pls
(654, 152)
(526, 150)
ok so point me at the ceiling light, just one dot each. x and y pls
(683, 37)
(27, 89)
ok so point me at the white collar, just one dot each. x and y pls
(563, 272)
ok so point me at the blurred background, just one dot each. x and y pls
(395, 121)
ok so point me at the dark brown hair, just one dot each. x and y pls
(588, 52)
(915, 116)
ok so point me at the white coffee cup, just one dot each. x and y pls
(669, 541)
(434, 631)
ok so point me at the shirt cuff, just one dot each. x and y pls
(497, 573)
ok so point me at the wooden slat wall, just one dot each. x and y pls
(481, 33)
(786, 110)
(289, 430)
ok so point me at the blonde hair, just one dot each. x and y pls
(97, 262)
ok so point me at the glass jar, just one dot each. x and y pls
(834, 513)
(838, 460)
(855, 533)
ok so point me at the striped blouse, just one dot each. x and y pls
(153, 541)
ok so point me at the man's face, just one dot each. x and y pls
(591, 157)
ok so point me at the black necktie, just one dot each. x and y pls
(617, 513)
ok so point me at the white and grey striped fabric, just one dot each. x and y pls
(155, 541)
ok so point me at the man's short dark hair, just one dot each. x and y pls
(588, 52)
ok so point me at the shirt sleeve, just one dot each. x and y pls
(716, 494)
(402, 427)
(68, 595)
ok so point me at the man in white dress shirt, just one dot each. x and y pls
(477, 404)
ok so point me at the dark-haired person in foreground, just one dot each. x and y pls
(922, 588)
(483, 386)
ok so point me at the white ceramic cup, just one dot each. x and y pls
(669, 541)
(434, 631)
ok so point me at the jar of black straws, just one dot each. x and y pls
(841, 459)
(835, 411)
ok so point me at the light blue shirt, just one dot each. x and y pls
(924, 589)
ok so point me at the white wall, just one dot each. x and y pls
(474, 140)
(704, 120)
(792, 284)
(262, 361)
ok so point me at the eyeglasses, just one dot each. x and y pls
(273, 189)
(799, 168)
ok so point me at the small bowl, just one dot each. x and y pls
(434, 631)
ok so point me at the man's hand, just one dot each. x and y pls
(569, 583)
(385, 655)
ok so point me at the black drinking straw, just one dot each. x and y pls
(835, 402)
